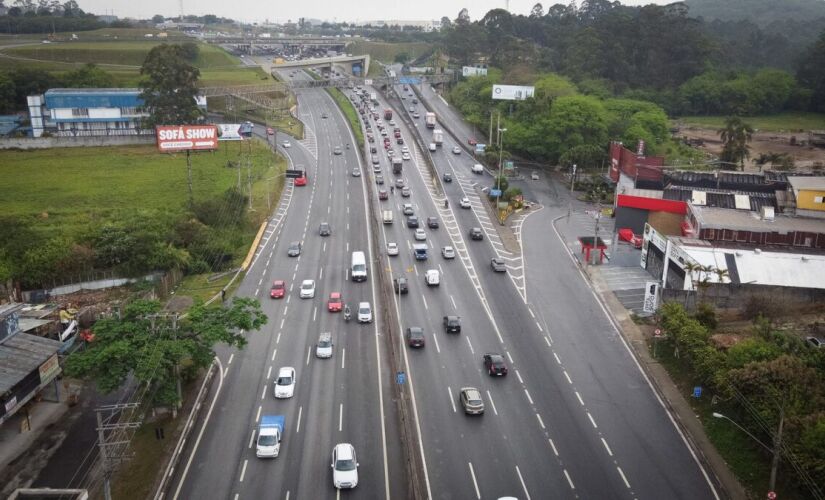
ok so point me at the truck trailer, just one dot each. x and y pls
(438, 137)
(429, 119)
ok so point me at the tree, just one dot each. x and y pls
(8, 94)
(537, 11)
(446, 23)
(157, 19)
(402, 58)
(89, 76)
(146, 345)
(735, 138)
(463, 17)
(811, 73)
(169, 86)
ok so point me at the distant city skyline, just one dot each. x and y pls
(347, 10)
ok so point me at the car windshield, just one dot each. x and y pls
(307, 286)
(284, 380)
(325, 343)
(364, 310)
(267, 441)
(345, 465)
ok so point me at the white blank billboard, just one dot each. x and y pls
(473, 71)
(512, 92)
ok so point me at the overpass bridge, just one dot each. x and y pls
(357, 65)
(286, 44)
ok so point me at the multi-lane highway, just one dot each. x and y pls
(574, 417)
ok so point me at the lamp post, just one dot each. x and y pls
(498, 180)
(777, 443)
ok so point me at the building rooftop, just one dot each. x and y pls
(807, 182)
(722, 218)
(86, 91)
(742, 200)
(20, 354)
(759, 267)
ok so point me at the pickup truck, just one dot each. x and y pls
(269, 436)
(420, 251)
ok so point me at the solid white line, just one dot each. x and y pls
(592, 421)
(435, 339)
(492, 403)
(309, 351)
(567, 377)
(581, 401)
(340, 416)
(287, 495)
(569, 481)
(251, 438)
(609, 451)
(528, 396)
(298, 427)
(243, 470)
(623, 476)
(553, 445)
(475, 483)
(452, 401)
(523, 486)
(258, 415)
(519, 377)
(231, 357)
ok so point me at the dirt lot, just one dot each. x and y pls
(763, 142)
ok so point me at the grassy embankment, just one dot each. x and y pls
(350, 113)
(62, 191)
(386, 52)
(780, 122)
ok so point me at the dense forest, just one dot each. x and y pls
(762, 12)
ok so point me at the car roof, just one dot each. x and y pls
(278, 283)
(286, 370)
(344, 451)
(363, 304)
(471, 392)
(307, 282)
(335, 295)
(325, 336)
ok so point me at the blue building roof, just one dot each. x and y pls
(93, 98)
(9, 123)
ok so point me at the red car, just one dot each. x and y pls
(472, 141)
(382, 194)
(278, 290)
(301, 181)
(335, 304)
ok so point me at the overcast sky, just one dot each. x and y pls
(332, 10)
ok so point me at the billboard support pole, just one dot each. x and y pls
(189, 176)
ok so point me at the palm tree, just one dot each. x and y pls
(735, 138)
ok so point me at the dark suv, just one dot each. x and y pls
(476, 234)
(400, 285)
(412, 221)
(432, 222)
(452, 324)
(415, 336)
(494, 364)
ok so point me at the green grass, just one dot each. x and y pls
(386, 52)
(350, 112)
(780, 122)
(247, 111)
(137, 477)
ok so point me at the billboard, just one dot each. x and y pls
(473, 71)
(186, 137)
(229, 132)
(512, 92)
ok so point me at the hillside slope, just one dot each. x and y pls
(761, 12)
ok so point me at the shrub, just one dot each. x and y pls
(706, 315)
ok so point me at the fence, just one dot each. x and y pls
(74, 142)
(736, 296)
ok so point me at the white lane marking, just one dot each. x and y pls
(314, 313)
(581, 401)
(289, 296)
(568, 378)
(263, 393)
(340, 416)
(519, 377)
(452, 401)
(523, 486)
(475, 483)
(623, 476)
(592, 421)
(526, 392)
(569, 481)
(287, 495)
(243, 470)
(282, 322)
(492, 403)
(309, 351)
(274, 352)
(531, 313)
(553, 445)
(540, 328)
(343, 357)
(609, 451)
(425, 302)
(470, 344)
(321, 274)
(557, 358)
(541, 422)
(324, 249)
(231, 357)
(453, 301)
(509, 357)
(260, 281)
(548, 342)
(437, 348)
(278, 338)
(298, 427)
(251, 438)
(257, 291)
(269, 372)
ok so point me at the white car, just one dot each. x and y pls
(285, 383)
(408, 209)
(534, 176)
(448, 252)
(420, 235)
(432, 277)
(286, 144)
(344, 466)
(392, 248)
(456, 150)
(364, 312)
(405, 156)
(464, 202)
(432, 146)
(405, 149)
(323, 349)
(356, 172)
(478, 168)
(307, 289)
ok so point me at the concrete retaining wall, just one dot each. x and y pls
(730, 296)
(74, 142)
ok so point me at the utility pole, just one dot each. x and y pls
(777, 448)
(573, 178)
(166, 317)
(189, 176)
(498, 180)
(113, 446)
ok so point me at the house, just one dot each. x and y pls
(87, 112)
(808, 195)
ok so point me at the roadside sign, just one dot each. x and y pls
(270, 131)
(657, 332)
(495, 192)
(697, 392)
(400, 377)
(182, 137)
(480, 148)
(294, 174)
(771, 495)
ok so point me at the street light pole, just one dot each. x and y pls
(777, 443)
(498, 180)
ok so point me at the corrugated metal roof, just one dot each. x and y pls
(804, 182)
(721, 198)
(20, 354)
(720, 218)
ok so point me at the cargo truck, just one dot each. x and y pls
(373, 98)
(397, 165)
(438, 137)
(269, 436)
(388, 114)
(429, 119)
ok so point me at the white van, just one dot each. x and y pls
(387, 216)
(359, 266)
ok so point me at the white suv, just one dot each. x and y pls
(364, 312)
(344, 466)
(432, 277)
(307, 289)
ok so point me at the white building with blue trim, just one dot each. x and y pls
(87, 112)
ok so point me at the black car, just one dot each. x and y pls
(379, 179)
(415, 336)
(400, 285)
(452, 324)
(294, 249)
(324, 229)
(498, 265)
(448, 177)
(494, 364)
(324, 115)
(476, 234)
(432, 222)
(412, 221)
(373, 150)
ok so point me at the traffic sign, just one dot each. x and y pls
(657, 332)
(697, 392)
(771, 495)
(400, 377)
(495, 192)
(270, 131)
